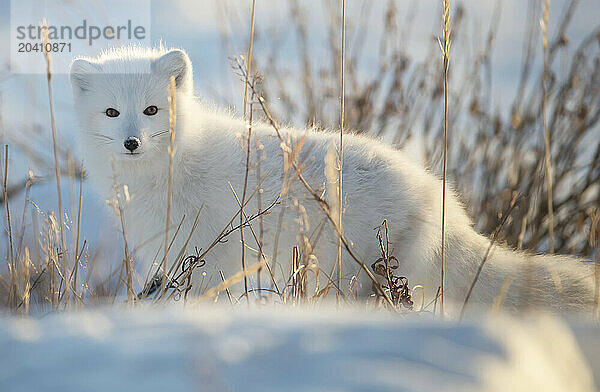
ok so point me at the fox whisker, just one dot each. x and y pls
(159, 133)
(101, 136)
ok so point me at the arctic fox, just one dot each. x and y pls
(121, 100)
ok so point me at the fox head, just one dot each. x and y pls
(122, 102)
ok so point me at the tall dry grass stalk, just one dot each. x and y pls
(26, 279)
(171, 152)
(12, 273)
(79, 211)
(547, 158)
(48, 57)
(341, 153)
(445, 47)
(249, 58)
(7, 210)
(242, 214)
(119, 208)
(595, 242)
(248, 141)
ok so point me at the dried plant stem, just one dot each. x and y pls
(242, 214)
(227, 289)
(341, 157)
(7, 209)
(247, 222)
(261, 228)
(127, 260)
(249, 58)
(171, 151)
(45, 41)
(513, 203)
(26, 278)
(445, 46)
(77, 255)
(547, 158)
(595, 242)
(28, 183)
(211, 293)
(221, 237)
(597, 284)
(11, 260)
(249, 125)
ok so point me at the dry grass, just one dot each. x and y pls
(248, 142)
(171, 152)
(340, 163)
(499, 149)
(445, 47)
(547, 160)
(48, 58)
(292, 163)
(503, 158)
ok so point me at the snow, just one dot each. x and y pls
(215, 348)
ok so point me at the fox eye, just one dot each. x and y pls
(110, 112)
(151, 110)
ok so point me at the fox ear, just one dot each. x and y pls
(81, 69)
(175, 63)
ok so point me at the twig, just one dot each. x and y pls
(37, 280)
(224, 233)
(227, 289)
(251, 218)
(514, 202)
(258, 243)
(385, 267)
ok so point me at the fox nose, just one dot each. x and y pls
(132, 143)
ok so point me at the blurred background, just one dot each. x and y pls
(393, 92)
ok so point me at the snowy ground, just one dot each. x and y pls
(220, 349)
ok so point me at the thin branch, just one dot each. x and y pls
(514, 202)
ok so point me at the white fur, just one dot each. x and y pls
(379, 183)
